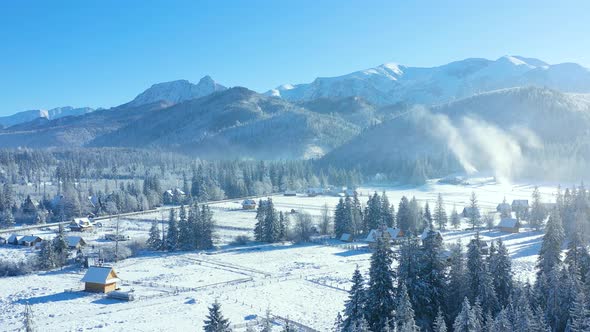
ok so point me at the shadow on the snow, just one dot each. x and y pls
(58, 297)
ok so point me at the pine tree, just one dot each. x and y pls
(428, 220)
(271, 227)
(404, 313)
(60, 247)
(429, 295)
(8, 218)
(505, 211)
(207, 228)
(466, 320)
(403, 215)
(215, 321)
(373, 213)
(387, 212)
(338, 323)
(456, 290)
(172, 234)
(538, 213)
(502, 322)
(185, 236)
(474, 214)
(501, 270)
(550, 252)
(381, 303)
(355, 306)
(340, 226)
(259, 231)
(579, 314)
(455, 218)
(439, 323)
(47, 259)
(440, 214)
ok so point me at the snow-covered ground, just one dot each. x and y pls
(306, 283)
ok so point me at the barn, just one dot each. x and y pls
(249, 204)
(509, 225)
(75, 242)
(100, 279)
(29, 240)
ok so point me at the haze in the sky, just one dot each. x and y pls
(103, 53)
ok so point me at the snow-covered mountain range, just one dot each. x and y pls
(393, 83)
(54, 113)
(177, 91)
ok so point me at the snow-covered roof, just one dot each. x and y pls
(346, 237)
(520, 202)
(74, 241)
(100, 275)
(30, 238)
(394, 233)
(508, 223)
(15, 237)
(424, 234)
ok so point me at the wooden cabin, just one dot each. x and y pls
(509, 225)
(346, 237)
(75, 242)
(81, 225)
(100, 279)
(395, 235)
(249, 204)
(29, 240)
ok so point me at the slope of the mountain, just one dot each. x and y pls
(235, 123)
(55, 113)
(73, 131)
(510, 132)
(177, 91)
(392, 83)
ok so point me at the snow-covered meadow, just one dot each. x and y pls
(303, 282)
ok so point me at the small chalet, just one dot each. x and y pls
(395, 234)
(290, 193)
(3, 240)
(173, 196)
(100, 279)
(249, 204)
(346, 237)
(75, 242)
(503, 207)
(509, 225)
(426, 232)
(312, 192)
(14, 239)
(520, 204)
(81, 225)
(29, 240)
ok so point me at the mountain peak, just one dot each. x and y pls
(177, 91)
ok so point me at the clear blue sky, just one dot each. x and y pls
(103, 53)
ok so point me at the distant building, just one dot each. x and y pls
(249, 204)
(29, 240)
(290, 193)
(424, 234)
(174, 196)
(81, 225)
(509, 225)
(312, 192)
(3, 240)
(520, 204)
(346, 237)
(395, 234)
(468, 211)
(503, 207)
(14, 239)
(75, 242)
(100, 279)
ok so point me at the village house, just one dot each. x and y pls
(509, 225)
(100, 279)
(290, 193)
(174, 196)
(81, 225)
(14, 239)
(29, 240)
(3, 240)
(249, 204)
(75, 242)
(395, 235)
(426, 231)
(346, 237)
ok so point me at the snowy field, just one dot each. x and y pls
(306, 283)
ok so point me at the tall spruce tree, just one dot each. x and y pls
(356, 305)
(381, 303)
(455, 218)
(439, 323)
(440, 214)
(387, 212)
(172, 234)
(466, 320)
(154, 242)
(501, 270)
(215, 321)
(579, 314)
(373, 213)
(538, 213)
(473, 212)
(259, 231)
(404, 314)
(550, 252)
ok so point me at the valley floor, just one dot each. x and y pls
(306, 283)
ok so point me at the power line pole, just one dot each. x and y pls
(117, 241)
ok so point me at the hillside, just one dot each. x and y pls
(509, 132)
